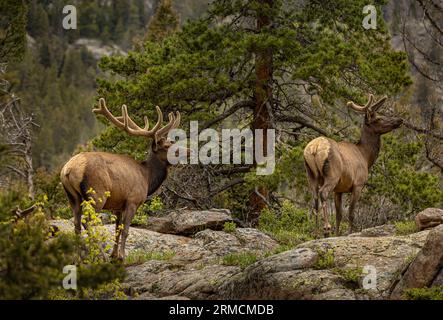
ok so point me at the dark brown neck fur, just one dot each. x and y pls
(156, 171)
(369, 145)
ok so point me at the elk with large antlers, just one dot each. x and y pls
(129, 182)
(343, 167)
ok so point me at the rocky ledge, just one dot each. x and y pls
(193, 258)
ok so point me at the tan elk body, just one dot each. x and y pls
(343, 167)
(128, 182)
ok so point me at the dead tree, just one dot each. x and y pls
(15, 139)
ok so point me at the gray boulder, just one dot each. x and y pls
(378, 231)
(189, 222)
(296, 274)
(425, 267)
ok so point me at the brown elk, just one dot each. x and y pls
(343, 167)
(129, 182)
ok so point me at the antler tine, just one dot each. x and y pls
(139, 131)
(378, 104)
(177, 121)
(167, 127)
(126, 123)
(103, 110)
(159, 122)
(359, 108)
(131, 123)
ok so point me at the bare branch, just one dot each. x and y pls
(304, 122)
(237, 106)
(422, 130)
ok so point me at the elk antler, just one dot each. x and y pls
(369, 106)
(174, 122)
(126, 123)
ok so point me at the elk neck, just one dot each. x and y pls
(369, 145)
(156, 172)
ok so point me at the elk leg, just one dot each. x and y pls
(74, 203)
(324, 194)
(328, 185)
(78, 221)
(313, 185)
(77, 211)
(338, 212)
(128, 214)
(118, 232)
(326, 225)
(356, 192)
(315, 208)
(315, 212)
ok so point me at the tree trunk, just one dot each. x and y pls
(29, 168)
(263, 103)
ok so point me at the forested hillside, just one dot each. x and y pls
(56, 78)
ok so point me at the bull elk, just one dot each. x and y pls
(343, 167)
(129, 182)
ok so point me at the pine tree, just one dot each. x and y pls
(277, 63)
(12, 30)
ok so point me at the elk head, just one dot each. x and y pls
(160, 143)
(376, 123)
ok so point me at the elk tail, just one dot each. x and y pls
(316, 156)
(310, 164)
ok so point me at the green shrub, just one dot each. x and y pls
(140, 219)
(140, 256)
(97, 237)
(156, 204)
(10, 199)
(30, 265)
(325, 260)
(32, 261)
(241, 259)
(395, 176)
(47, 185)
(403, 228)
(434, 293)
(351, 276)
(142, 216)
(229, 227)
(290, 227)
